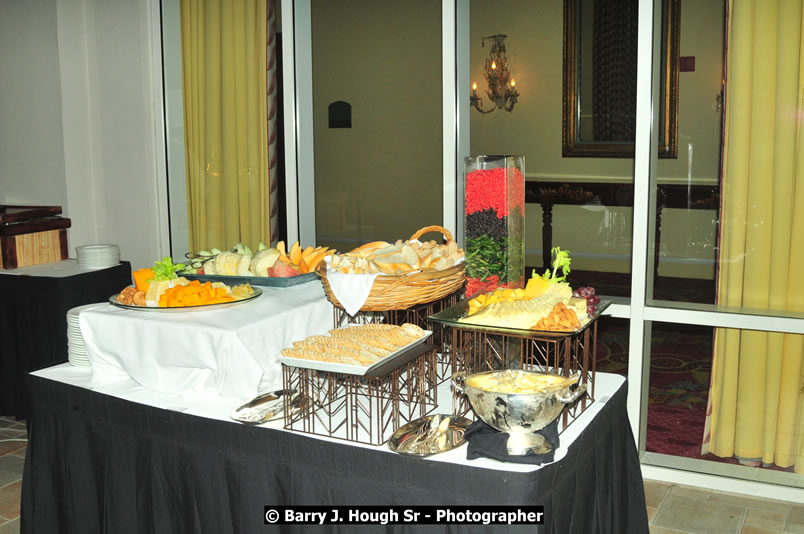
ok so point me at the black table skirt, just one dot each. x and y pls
(96, 463)
(33, 324)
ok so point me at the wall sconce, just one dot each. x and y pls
(502, 88)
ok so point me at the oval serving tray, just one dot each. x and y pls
(264, 281)
(452, 316)
(202, 307)
(412, 438)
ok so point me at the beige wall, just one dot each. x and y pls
(31, 147)
(380, 179)
(110, 99)
(79, 118)
(600, 238)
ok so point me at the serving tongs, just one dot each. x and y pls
(266, 407)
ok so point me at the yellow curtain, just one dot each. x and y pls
(225, 122)
(756, 404)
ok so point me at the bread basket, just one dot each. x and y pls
(403, 291)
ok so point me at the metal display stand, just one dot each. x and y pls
(418, 315)
(364, 409)
(477, 350)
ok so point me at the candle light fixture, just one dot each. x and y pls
(501, 87)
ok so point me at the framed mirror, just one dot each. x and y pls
(600, 57)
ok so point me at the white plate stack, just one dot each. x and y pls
(98, 256)
(76, 350)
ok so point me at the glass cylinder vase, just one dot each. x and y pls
(494, 223)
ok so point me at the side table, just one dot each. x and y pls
(34, 302)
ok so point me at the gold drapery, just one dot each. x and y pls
(756, 405)
(225, 122)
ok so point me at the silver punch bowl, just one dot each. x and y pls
(518, 402)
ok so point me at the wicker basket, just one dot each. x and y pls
(401, 291)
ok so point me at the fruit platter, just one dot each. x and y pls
(546, 305)
(269, 266)
(160, 288)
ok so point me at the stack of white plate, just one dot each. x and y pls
(98, 256)
(76, 350)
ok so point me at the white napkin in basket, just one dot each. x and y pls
(351, 290)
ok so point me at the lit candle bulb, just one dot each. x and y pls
(474, 88)
(493, 65)
(513, 82)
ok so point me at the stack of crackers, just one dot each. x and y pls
(560, 319)
(362, 345)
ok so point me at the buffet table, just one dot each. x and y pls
(33, 325)
(117, 457)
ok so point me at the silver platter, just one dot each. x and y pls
(430, 435)
(264, 408)
(183, 309)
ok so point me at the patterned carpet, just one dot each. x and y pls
(679, 384)
(679, 381)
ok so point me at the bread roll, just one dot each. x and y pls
(387, 268)
(386, 251)
(368, 248)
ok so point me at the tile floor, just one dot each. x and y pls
(12, 456)
(671, 509)
(676, 509)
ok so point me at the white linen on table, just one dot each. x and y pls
(606, 385)
(57, 269)
(228, 351)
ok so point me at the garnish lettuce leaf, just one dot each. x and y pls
(166, 269)
(561, 261)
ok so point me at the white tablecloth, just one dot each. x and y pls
(58, 269)
(229, 351)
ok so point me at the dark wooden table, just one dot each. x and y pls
(549, 194)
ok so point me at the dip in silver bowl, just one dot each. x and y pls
(518, 402)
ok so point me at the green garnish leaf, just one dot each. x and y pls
(561, 260)
(166, 269)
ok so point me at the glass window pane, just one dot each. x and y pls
(583, 204)
(688, 190)
(736, 414)
(730, 206)
(377, 87)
